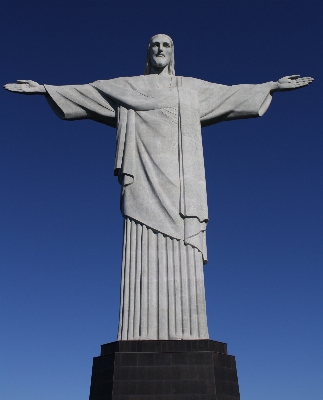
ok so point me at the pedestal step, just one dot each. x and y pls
(164, 370)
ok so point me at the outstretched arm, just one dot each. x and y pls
(290, 83)
(224, 103)
(25, 87)
(71, 101)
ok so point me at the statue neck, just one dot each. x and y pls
(159, 70)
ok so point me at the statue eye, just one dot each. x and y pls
(166, 44)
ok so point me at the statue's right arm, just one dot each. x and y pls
(71, 102)
(25, 87)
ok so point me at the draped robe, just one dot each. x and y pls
(160, 166)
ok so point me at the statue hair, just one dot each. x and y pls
(171, 65)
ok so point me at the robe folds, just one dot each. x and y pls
(160, 166)
(159, 155)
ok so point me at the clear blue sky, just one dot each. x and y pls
(61, 229)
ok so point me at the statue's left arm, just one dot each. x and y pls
(223, 103)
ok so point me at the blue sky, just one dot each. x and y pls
(61, 229)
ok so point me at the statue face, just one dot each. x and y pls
(160, 51)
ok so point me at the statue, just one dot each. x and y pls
(159, 164)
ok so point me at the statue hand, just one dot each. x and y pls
(292, 82)
(25, 87)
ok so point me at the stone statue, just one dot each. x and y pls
(159, 164)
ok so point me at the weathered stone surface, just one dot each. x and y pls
(159, 164)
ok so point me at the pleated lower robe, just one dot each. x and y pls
(162, 287)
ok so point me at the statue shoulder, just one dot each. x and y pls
(123, 81)
(200, 84)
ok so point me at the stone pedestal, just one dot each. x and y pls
(164, 370)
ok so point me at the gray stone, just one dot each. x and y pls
(159, 164)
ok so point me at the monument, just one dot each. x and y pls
(163, 349)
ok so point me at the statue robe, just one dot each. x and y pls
(159, 163)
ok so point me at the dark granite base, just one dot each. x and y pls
(164, 370)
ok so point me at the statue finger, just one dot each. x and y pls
(309, 79)
(300, 83)
(305, 80)
(12, 87)
(300, 80)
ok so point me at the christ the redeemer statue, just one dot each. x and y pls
(159, 164)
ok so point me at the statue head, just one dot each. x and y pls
(160, 54)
